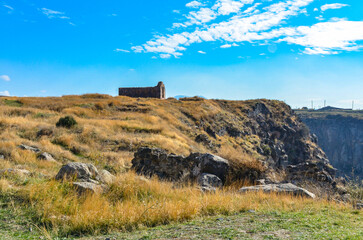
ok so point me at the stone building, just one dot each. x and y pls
(144, 92)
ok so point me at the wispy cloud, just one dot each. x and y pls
(5, 93)
(5, 78)
(8, 7)
(202, 52)
(53, 14)
(194, 4)
(333, 6)
(233, 22)
(121, 50)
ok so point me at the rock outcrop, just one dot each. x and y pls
(283, 188)
(153, 161)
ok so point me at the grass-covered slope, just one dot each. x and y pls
(259, 137)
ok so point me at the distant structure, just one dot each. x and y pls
(144, 92)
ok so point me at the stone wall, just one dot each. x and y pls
(145, 92)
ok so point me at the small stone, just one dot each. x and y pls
(29, 148)
(261, 182)
(14, 171)
(46, 156)
(2, 157)
(106, 177)
(251, 211)
(87, 187)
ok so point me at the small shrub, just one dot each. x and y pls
(66, 122)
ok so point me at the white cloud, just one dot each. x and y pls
(233, 25)
(226, 46)
(194, 4)
(327, 37)
(229, 45)
(236, 29)
(53, 14)
(201, 52)
(5, 93)
(121, 50)
(5, 78)
(165, 56)
(333, 6)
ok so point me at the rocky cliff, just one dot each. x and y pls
(341, 137)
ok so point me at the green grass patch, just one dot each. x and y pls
(13, 103)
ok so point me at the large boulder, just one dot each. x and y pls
(80, 171)
(154, 161)
(286, 188)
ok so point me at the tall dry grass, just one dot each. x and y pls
(132, 202)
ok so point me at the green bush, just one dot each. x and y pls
(66, 122)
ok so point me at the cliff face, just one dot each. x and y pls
(341, 137)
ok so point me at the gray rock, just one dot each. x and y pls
(261, 182)
(208, 163)
(208, 189)
(46, 156)
(80, 171)
(14, 171)
(154, 161)
(88, 187)
(29, 148)
(287, 188)
(106, 177)
(2, 157)
(209, 180)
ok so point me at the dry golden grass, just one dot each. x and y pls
(132, 202)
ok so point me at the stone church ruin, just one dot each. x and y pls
(144, 92)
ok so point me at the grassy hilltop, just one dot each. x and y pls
(108, 132)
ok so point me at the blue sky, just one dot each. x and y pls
(291, 50)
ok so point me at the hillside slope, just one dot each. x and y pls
(261, 139)
(110, 130)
